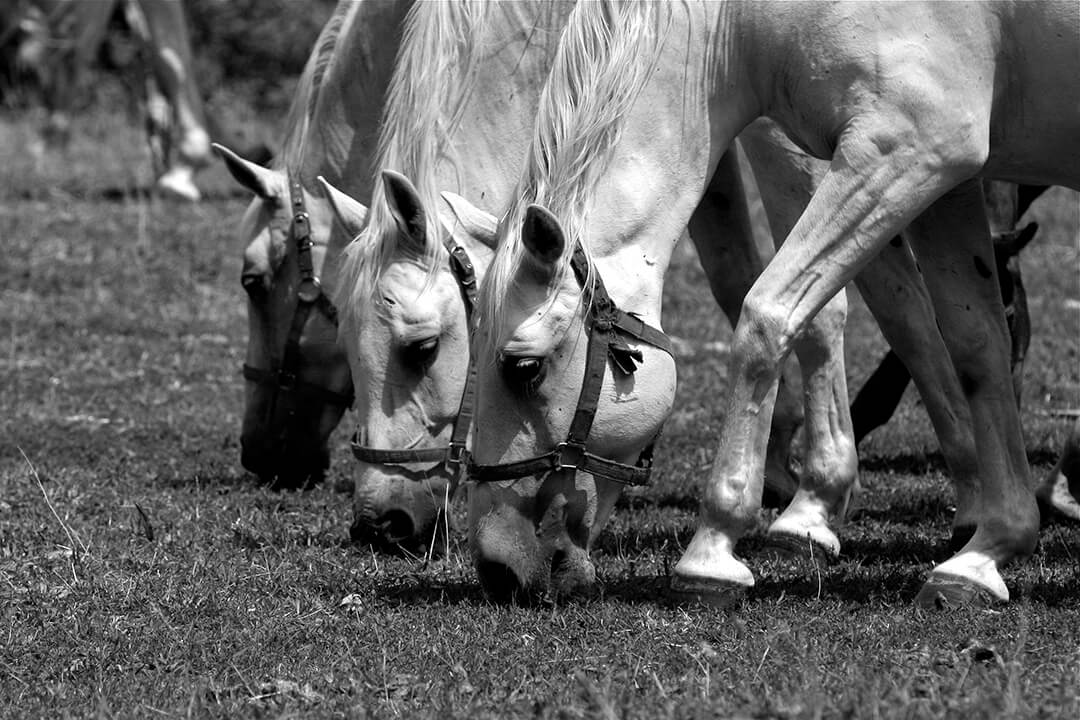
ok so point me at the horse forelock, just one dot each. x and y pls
(603, 61)
(433, 76)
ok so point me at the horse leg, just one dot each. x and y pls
(951, 240)
(897, 297)
(828, 475)
(830, 465)
(1059, 493)
(884, 172)
(169, 47)
(879, 396)
(724, 235)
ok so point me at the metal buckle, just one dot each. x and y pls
(301, 227)
(577, 455)
(310, 289)
(455, 456)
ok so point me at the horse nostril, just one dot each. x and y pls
(397, 526)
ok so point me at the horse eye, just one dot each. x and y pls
(254, 285)
(421, 353)
(524, 375)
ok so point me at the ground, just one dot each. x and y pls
(143, 573)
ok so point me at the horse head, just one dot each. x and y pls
(298, 383)
(406, 310)
(567, 403)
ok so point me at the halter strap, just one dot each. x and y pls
(454, 456)
(309, 296)
(604, 322)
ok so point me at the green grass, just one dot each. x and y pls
(142, 573)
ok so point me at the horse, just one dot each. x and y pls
(644, 92)
(55, 40)
(297, 376)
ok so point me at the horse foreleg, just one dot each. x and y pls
(724, 235)
(952, 242)
(880, 178)
(829, 470)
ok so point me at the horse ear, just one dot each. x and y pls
(256, 178)
(476, 223)
(350, 212)
(406, 208)
(544, 240)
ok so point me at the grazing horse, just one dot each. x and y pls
(58, 39)
(910, 104)
(407, 282)
(298, 384)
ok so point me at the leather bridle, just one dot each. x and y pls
(605, 324)
(285, 377)
(453, 456)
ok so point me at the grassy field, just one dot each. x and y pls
(143, 573)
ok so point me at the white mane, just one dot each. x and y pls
(604, 59)
(432, 79)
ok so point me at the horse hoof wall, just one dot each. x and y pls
(699, 591)
(792, 548)
(940, 593)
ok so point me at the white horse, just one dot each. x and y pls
(298, 377)
(653, 103)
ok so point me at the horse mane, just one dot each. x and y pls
(604, 59)
(433, 76)
(302, 108)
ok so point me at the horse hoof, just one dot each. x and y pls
(792, 548)
(701, 591)
(943, 592)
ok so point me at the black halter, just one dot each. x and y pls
(454, 455)
(309, 295)
(604, 323)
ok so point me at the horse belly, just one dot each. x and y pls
(1035, 123)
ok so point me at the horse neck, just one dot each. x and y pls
(686, 117)
(346, 110)
(485, 150)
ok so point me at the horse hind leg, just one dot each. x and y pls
(951, 241)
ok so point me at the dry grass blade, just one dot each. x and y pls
(78, 549)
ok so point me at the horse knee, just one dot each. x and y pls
(762, 339)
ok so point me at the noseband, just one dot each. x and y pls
(605, 324)
(453, 457)
(309, 295)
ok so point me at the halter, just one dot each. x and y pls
(604, 323)
(309, 295)
(453, 457)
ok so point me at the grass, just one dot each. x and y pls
(142, 573)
